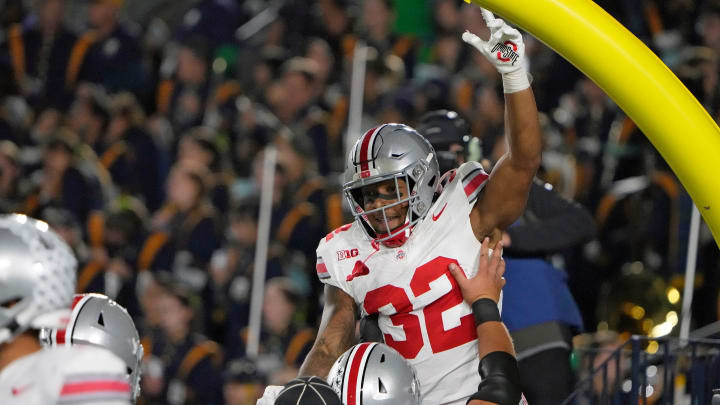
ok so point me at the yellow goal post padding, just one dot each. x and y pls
(637, 80)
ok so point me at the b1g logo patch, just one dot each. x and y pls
(346, 254)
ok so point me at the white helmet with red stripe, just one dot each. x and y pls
(37, 276)
(374, 374)
(97, 320)
(392, 151)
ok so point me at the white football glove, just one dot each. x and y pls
(505, 49)
(270, 394)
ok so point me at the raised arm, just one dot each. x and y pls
(504, 196)
(336, 334)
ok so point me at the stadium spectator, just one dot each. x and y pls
(190, 221)
(228, 294)
(190, 363)
(284, 341)
(36, 59)
(114, 57)
(243, 383)
(199, 145)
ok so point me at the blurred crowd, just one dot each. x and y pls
(138, 130)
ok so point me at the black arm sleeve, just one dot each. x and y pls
(550, 223)
(500, 379)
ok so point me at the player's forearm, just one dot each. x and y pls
(336, 334)
(493, 337)
(523, 131)
(319, 361)
(327, 348)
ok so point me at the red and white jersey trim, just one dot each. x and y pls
(94, 388)
(321, 269)
(66, 375)
(473, 182)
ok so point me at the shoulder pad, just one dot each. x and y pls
(324, 250)
(92, 374)
(332, 234)
(89, 359)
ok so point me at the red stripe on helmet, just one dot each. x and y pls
(60, 333)
(363, 159)
(60, 337)
(76, 299)
(352, 398)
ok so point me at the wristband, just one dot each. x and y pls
(515, 81)
(485, 310)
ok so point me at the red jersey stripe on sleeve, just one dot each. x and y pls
(321, 269)
(474, 182)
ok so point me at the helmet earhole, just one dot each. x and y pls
(382, 358)
(101, 321)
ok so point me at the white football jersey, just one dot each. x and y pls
(78, 375)
(421, 310)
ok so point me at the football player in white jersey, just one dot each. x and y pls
(393, 260)
(374, 374)
(97, 320)
(37, 282)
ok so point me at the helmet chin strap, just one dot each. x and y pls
(397, 240)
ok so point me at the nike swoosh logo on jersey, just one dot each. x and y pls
(17, 391)
(435, 217)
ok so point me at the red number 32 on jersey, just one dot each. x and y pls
(440, 339)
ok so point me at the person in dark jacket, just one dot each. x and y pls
(129, 153)
(61, 184)
(284, 341)
(186, 367)
(191, 223)
(227, 298)
(199, 145)
(41, 57)
(114, 59)
(182, 98)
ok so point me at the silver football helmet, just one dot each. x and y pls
(392, 151)
(374, 374)
(37, 276)
(97, 320)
